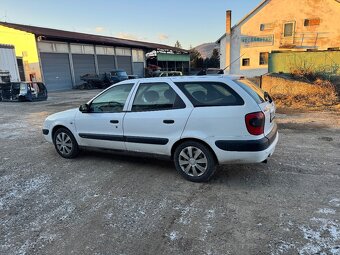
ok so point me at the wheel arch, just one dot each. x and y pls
(55, 128)
(187, 139)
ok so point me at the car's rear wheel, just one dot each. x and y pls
(65, 143)
(194, 161)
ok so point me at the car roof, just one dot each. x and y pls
(187, 78)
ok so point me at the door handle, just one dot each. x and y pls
(168, 121)
(114, 121)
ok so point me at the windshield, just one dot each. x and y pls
(254, 91)
(121, 73)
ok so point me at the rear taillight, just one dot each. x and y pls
(255, 123)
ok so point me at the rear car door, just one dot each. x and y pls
(102, 126)
(218, 112)
(156, 118)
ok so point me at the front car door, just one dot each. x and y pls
(156, 118)
(102, 126)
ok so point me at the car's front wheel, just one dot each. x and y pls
(65, 143)
(194, 161)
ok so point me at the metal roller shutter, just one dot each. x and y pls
(83, 64)
(56, 71)
(138, 69)
(125, 63)
(106, 63)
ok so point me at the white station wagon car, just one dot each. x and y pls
(198, 122)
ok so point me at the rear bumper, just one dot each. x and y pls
(248, 145)
(255, 151)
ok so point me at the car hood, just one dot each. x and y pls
(68, 114)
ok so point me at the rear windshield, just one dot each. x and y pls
(210, 94)
(254, 91)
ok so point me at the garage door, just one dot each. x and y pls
(138, 69)
(83, 64)
(125, 63)
(106, 63)
(56, 71)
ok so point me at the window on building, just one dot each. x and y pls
(267, 26)
(246, 62)
(264, 58)
(288, 29)
(312, 22)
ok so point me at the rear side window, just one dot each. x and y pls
(254, 91)
(210, 94)
(156, 97)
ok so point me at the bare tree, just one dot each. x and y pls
(178, 44)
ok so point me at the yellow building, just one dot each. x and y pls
(25, 50)
(296, 25)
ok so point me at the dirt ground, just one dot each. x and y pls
(103, 203)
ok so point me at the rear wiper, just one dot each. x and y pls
(268, 97)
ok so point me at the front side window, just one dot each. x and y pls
(156, 97)
(112, 100)
(203, 94)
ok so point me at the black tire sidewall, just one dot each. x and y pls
(75, 148)
(210, 158)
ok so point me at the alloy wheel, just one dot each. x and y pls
(64, 144)
(193, 161)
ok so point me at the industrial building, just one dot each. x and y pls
(59, 58)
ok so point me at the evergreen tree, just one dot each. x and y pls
(214, 60)
(196, 60)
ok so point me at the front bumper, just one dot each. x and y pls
(47, 135)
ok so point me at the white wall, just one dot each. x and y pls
(223, 53)
(8, 62)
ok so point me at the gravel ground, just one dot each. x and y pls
(104, 203)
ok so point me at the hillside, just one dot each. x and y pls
(206, 49)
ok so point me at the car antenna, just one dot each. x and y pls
(234, 61)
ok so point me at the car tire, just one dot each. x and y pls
(194, 161)
(65, 143)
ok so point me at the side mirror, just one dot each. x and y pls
(84, 108)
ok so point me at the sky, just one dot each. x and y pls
(191, 22)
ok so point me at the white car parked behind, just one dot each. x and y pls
(198, 121)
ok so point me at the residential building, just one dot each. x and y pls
(294, 25)
(59, 58)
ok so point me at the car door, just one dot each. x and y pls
(42, 91)
(102, 126)
(156, 118)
